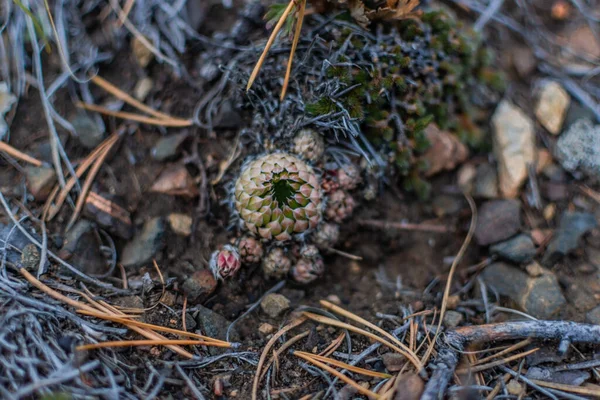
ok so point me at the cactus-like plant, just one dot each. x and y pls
(250, 249)
(226, 262)
(278, 196)
(309, 145)
(327, 235)
(276, 264)
(340, 206)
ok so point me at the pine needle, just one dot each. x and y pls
(496, 363)
(8, 149)
(343, 365)
(131, 343)
(171, 122)
(288, 71)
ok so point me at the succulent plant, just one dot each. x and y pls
(226, 262)
(307, 270)
(250, 249)
(309, 145)
(276, 264)
(340, 206)
(278, 195)
(349, 177)
(309, 251)
(327, 235)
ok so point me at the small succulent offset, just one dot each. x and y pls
(226, 262)
(309, 144)
(250, 249)
(327, 235)
(278, 196)
(276, 264)
(340, 206)
(307, 270)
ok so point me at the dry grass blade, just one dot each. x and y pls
(283, 348)
(121, 95)
(123, 320)
(508, 350)
(333, 346)
(338, 374)
(8, 149)
(88, 182)
(493, 364)
(339, 310)
(267, 350)
(288, 71)
(169, 123)
(131, 343)
(455, 263)
(270, 42)
(330, 321)
(343, 365)
(587, 391)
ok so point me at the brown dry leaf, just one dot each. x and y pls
(175, 180)
(446, 151)
(395, 9)
(358, 12)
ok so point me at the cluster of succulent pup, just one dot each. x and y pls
(289, 208)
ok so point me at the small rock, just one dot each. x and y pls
(523, 60)
(445, 152)
(109, 212)
(141, 52)
(145, 244)
(579, 147)
(214, 325)
(409, 386)
(393, 362)
(552, 105)
(486, 182)
(266, 329)
(534, 269)
(175, 180)
(519, 249)
(546, 354)
(540, 297)
(88, 132)
(142, 88)
(574, 378)
(549, 212)
(514, 387)
(199, 286)
(167, 146)
(7, 99)
(541, 236)
(130, 302)
(514, 147)
(274, 304)
(40, 181)
(452, 319)
(498, 220)
(81, 248)
(181, 224)
(446, 205)
(466, 176)
(572, 226)
(581, 296)
(335, 299)
(544, 159)
(30, 257)
(593, 316)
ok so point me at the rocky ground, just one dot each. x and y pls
(155, 212)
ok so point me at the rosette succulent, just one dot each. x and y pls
(250, 249)
(340, 206)
(276, 264)
(307, 270)
(327, 235)
(226, 262)
(309, 144)
(277, 196)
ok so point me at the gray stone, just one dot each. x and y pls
(551, 108)
(572, 226)
(82, 250)
(214, 325)
(393, 362)
(199, 285)
(579, 147)
(593, 316)
(514, 147)
(447, 205)
(486, 182)
(452, 319)
(40, 181)
(519, 249)
(274, 304)
(145, 244)
(88, 132)
(498, 220)
(540, 297)
(167, 146)
(574, 378)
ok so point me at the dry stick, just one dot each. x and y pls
(406, 226)
(455, 263)
(493, 364)
(88, 182)
(121, 95)
(288, 71)
(343, 365)
(8, 149)
(568, 388)
(508, 350)
(128, 343)
(263, 56)
(455, 340)
(173, 123)
(338, 374)
(123, 320)
(330, 321)
(267, 349)
(362, 321)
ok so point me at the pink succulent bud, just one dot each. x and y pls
(340, 206)
(307, 270)
(349, 177)
(251, 249)
(226, 262)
